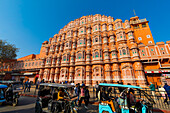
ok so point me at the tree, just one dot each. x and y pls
(7, 51)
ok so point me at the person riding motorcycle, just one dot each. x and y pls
(61, 99)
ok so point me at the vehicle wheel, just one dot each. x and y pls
(75, 111)
(38, 108)
(56, 110)
(15, 102)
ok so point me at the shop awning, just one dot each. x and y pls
(164, 71)
(153, 71)
(166, 75)
(28, 73)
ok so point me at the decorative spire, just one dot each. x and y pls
(134, 12)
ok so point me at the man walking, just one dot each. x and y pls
(26, 86)
(152, 87)
(167, 89)
(97, 89)
(87, 96)
(29, 85)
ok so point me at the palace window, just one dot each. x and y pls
(142, 51)
(26, 65)
(33, 64)
(150, 42)
(36, 63)
(96, 39)
(144, 25)
(143, 54)
(162, 48)
(83, 54)
(96, 54)
(151, 49)
(64, 58)
(66, 44)
(148, 36)
(79, 56)
(120, 52)
(124, 52)
(113, 54)
(67, 57)
(136, 26)
(81, 42)
(139, 38)
(40, 63)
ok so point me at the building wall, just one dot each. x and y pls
(99, 48)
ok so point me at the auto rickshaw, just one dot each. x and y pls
(2, 93)
(12, 91)
(118, 98)
(48, 100)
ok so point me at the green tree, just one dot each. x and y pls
(7, 51)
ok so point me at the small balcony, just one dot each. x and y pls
(138, 21)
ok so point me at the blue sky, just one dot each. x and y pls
(28, 23)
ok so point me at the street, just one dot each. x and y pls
(27, 104)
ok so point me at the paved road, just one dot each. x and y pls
(27, 104)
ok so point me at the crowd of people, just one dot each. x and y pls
(163, 91)
(82, 92)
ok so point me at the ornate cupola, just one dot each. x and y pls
(121, 37)
(104, 26)
(112, 38)
(130, 38)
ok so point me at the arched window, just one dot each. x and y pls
(120, 35)
(96, 39)
(124, 52)
(81, 42)
(96, 54)
(79, 56)
(67, 57)
(100, 53)
(83, 54)
(120, 52)
(64, 58)
(66, 44)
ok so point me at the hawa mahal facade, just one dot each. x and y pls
(99, 48)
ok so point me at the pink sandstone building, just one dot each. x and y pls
(99, 48)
